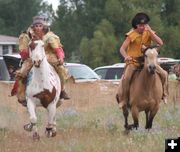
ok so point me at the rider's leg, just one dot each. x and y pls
(63, 74)
(164, 79)
(21, 78)
(21, 90)
(129, 70)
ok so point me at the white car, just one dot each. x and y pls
(110, 72)
(81, 72)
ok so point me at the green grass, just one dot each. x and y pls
(97, 130)
(102, 130)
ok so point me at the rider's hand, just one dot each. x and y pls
(148, 28)
(61, 61)
(127, 58)
(32, 45)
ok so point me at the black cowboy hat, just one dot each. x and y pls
(140, 18)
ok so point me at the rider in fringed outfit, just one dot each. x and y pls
(54, 52)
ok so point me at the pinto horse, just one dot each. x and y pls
(145, 93)
(43, 89)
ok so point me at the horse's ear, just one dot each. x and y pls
(157, 46)
(143, 48)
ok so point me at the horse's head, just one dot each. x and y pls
(37, 52)
(150, 56)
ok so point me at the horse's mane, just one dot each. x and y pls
(150, 47)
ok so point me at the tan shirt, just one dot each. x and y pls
(137, 40)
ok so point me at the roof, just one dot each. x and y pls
(5, 39)
(117, 65)
(74, 64)
(13, 55)
(167, 60)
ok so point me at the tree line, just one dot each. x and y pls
(92, 31)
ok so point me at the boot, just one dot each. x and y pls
(64, 95)
(165, 94)
(165, 91)
(21, 91)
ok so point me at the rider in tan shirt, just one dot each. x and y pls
(131, 50)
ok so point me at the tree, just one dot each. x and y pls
(76, 19)
(101, 49)
(170, 18)
(16, 15)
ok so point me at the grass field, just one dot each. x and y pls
(89, 122)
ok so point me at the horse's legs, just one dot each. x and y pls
(51, 127)
(135, 115)
(125, 113)
(151, 116)
(147, 118)
(33, 120)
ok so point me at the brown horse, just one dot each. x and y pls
(145, 91)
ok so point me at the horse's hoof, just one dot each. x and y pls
(36, 136)
(50, 132)
(148, 127)
(131, 127)
(28, 127)
(53, 133)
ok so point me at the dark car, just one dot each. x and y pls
(10, 63)
(4, 74)
(111, 72)
(168, 63)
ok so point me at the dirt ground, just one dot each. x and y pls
(84, 97)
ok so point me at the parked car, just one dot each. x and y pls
(168, 63)
(111, 72)
(81, 72)
(4, 75)
(9, 65)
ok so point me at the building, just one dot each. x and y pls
(8, 44)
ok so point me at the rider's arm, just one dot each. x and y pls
(124, 48)
(24, 54)
(23, 46)
(154, 37)
(57, 48)
(59, 52)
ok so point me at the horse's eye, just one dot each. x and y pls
(145, 56)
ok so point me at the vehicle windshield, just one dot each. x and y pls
(110, 73)
(82, 72)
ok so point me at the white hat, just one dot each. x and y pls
(39, 20)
